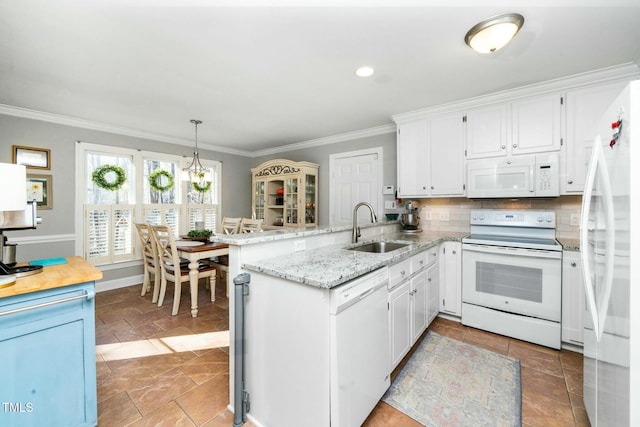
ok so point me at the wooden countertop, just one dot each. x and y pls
(77, 270)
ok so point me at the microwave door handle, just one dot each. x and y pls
(607, 196)
(531, 176)
(584, 241)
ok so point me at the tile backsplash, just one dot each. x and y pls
(452, 214)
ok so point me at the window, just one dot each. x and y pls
(106, 216)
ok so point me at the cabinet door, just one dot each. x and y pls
(48, 367)
(433, 293)
(446, 155)
(584, 108)
(535, 124)
(412, 146)
(310, 199)
(400, 322)
(258, 199)
(419, 305)
(486, 132)
(572, 298)
(291, 200)
(451, 278)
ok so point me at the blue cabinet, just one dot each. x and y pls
(47, 358)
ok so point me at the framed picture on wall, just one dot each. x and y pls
(31, 157)
(40, 189)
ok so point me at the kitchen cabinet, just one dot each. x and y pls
(285, 193)
(486, 133)
(526, 126)
(573, 299)
(48, 369)
(583, 109)
(431, 156)
(413, 301)
(451, 278)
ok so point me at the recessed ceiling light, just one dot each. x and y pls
(364, 71)
(494, 33)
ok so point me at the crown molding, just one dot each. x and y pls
(628, 71)
(342, 137)
(26, 113)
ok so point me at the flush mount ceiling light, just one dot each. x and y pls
(364, 71)
(494, 33)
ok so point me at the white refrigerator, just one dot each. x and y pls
(610, 251)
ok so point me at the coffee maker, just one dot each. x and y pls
(15, 214)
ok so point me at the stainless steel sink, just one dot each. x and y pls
(379, 247)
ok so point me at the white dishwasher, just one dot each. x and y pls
(359, 347)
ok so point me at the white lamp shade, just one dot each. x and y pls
(494, 37)
(13, 187)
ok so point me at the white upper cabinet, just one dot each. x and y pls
(431, 156)
(584, 108)
(446, 159)
(487, 132)
(530, 125)
(412, 146)
(535, 124)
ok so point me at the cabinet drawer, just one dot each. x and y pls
(399, 272)
(418, 262)
(432, 255)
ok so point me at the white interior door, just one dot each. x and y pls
(355, 177)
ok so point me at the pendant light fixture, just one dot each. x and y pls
(195, 172)
(494, 33)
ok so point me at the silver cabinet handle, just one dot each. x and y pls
(570, 181)
(88, 296)
(515, 145)
(454, 252)
(504, 146)
(573, 264)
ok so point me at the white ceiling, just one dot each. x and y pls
(265, 77)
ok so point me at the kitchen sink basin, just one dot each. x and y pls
(379, 247)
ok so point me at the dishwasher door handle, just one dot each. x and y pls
(88, 296)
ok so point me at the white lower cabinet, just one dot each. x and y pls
(450, 300)
(573, 304)
(413, 301)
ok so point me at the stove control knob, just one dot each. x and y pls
(540, 219)
(481, 217)
(548, 218)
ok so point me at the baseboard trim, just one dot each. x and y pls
(102, 286)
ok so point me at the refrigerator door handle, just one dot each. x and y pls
(598, 309)
(584, 241)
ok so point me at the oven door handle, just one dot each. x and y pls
(503, 250)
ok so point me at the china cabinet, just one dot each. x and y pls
(285, 193)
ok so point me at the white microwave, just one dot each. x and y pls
(535, 175)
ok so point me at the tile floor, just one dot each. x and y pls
(156, 369)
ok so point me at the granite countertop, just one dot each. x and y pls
(76, 271)
(287, 233)
(569, 244)
(334, 265)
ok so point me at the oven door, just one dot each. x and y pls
(521, 281)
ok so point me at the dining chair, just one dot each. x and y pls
(172, 270)
(250, 225)
(149, 259)
(231, 225)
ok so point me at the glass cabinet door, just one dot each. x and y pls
(291, 202)
(259, 197)
(310, 199)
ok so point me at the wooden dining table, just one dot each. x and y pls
(194, 254)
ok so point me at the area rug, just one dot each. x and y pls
(448, 383)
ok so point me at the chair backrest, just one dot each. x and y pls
(148, 243)
(166, 245)
(250, 225)
(231, 225)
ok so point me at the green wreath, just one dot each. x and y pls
(99, 177)
(154, 180)
(201, 188)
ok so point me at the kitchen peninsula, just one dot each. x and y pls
(288, 369)
(47, 342)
